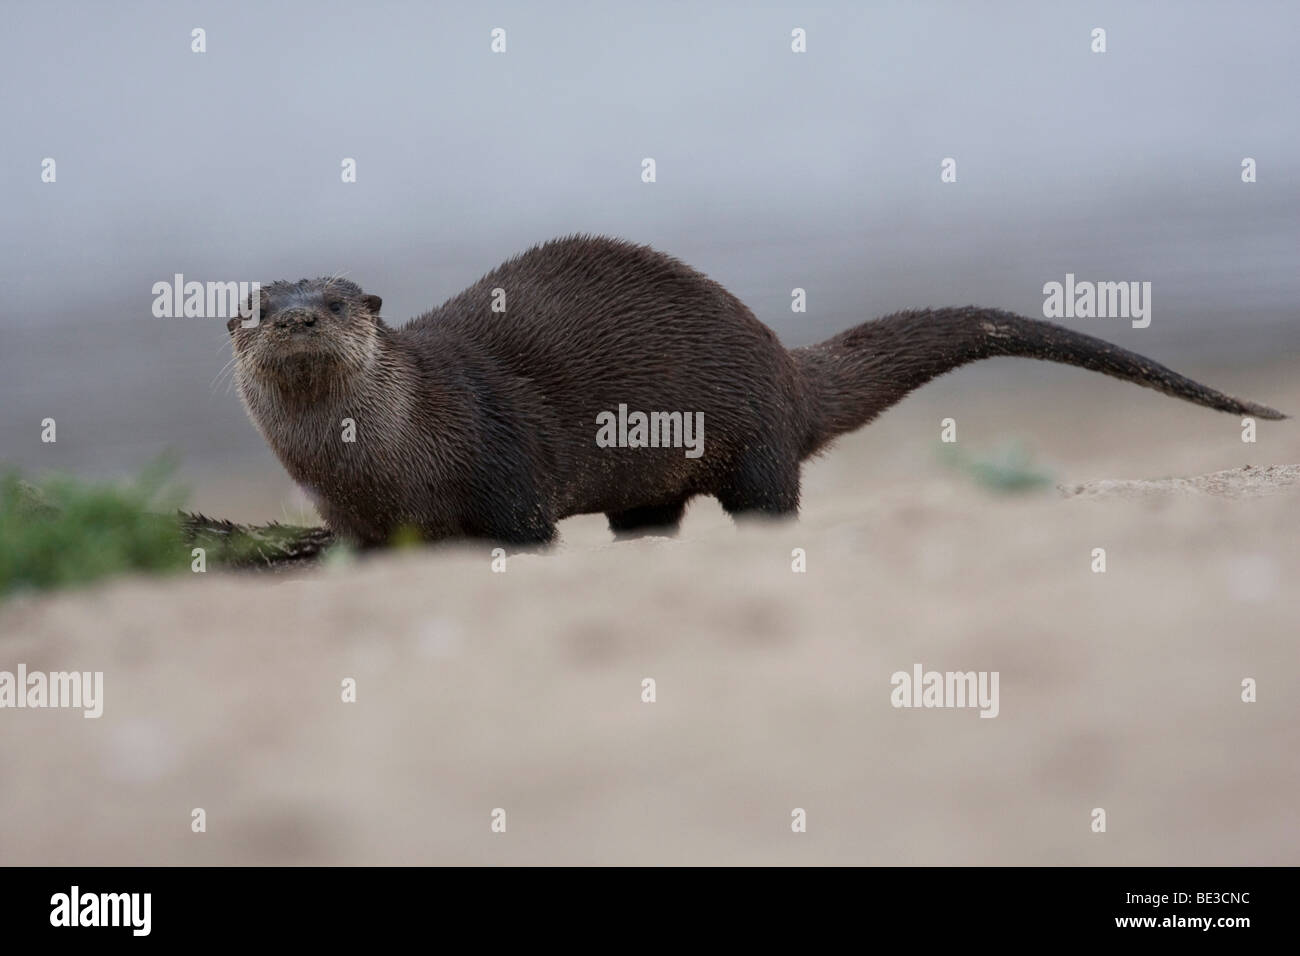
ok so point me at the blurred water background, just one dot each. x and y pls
(775, 171)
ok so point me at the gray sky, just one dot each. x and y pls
(775, 170)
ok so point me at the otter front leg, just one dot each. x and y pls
(646, 520)
(511, 514)
(530, 538)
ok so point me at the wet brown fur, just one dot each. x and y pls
(477, 423)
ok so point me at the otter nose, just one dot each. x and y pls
(294, 318)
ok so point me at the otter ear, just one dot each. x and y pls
(245, 311)
(233, 322)
(373, 303)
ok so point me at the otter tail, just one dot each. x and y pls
(853, 377)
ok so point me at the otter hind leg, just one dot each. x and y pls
(764, 483)
(647, 520)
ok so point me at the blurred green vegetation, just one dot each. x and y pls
(1009, 469)
(65, 531)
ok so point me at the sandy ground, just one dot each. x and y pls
(523, 690)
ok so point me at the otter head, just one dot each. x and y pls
(311, 334)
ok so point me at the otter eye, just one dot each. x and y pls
(336, 307)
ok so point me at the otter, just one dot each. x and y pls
(479, 419)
